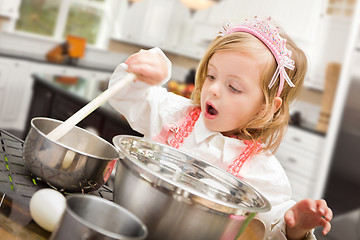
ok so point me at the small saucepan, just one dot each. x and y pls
(78, 162)
(68, 157)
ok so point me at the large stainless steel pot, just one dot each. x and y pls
(78, 162)
(179, 196)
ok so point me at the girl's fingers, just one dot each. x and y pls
(328, 214)
(324, 210)
(311, 205)
(290, 218)
(326, 225)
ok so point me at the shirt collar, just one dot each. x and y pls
(201, 131)
(230, 148)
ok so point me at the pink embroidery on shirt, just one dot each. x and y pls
(251, 149)
(185, 126)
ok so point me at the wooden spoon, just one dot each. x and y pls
(66, 126)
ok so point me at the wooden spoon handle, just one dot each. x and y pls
(66, 126)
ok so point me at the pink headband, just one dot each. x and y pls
(269, 35)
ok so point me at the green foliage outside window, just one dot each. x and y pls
(83, 22)
(38, 16)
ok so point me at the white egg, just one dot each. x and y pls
(46, 208)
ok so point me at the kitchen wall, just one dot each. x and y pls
(317, 48)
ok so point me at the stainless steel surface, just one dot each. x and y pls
(91, 217)
(347, 148)
(79, 162)
(179, 196)
(343, 182)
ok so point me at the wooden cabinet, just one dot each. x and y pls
(51, 101)
(300, 155)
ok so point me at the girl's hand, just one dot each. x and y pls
(148, 66)
(306, 215)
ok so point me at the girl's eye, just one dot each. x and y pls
(211, 77)
(233, 89)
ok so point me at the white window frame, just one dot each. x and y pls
(107, 21)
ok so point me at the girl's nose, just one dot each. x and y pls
(215, 89)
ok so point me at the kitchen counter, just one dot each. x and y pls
(41, 59)
(27, 47)
(16, 222)
(17, 186)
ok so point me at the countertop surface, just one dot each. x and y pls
(27, 47)
(41, 59)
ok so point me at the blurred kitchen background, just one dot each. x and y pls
(56, 55)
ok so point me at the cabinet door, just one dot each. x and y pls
(146, 22)
(97, 82)
(300, 155)
(41, 102)
(131, 24)
(9, 8)
(15, 84)
(156, 22)
(64, 107)
(299, 18)
(4, 72)
(117, 126)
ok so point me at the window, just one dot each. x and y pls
(59, 18)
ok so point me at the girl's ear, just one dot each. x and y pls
(276, 104)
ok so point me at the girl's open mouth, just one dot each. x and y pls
(211, 112)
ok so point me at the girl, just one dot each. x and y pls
(237, 116)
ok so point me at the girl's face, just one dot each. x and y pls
(231, 95)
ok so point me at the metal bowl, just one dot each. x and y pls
(89, 217)
(79, 162)
(179, 196)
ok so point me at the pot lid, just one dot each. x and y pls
(188, 178)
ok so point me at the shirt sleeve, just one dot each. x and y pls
(267, 176)
(146, 107)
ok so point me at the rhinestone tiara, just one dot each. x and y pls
(266, 32)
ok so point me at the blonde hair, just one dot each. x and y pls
(266, 127)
